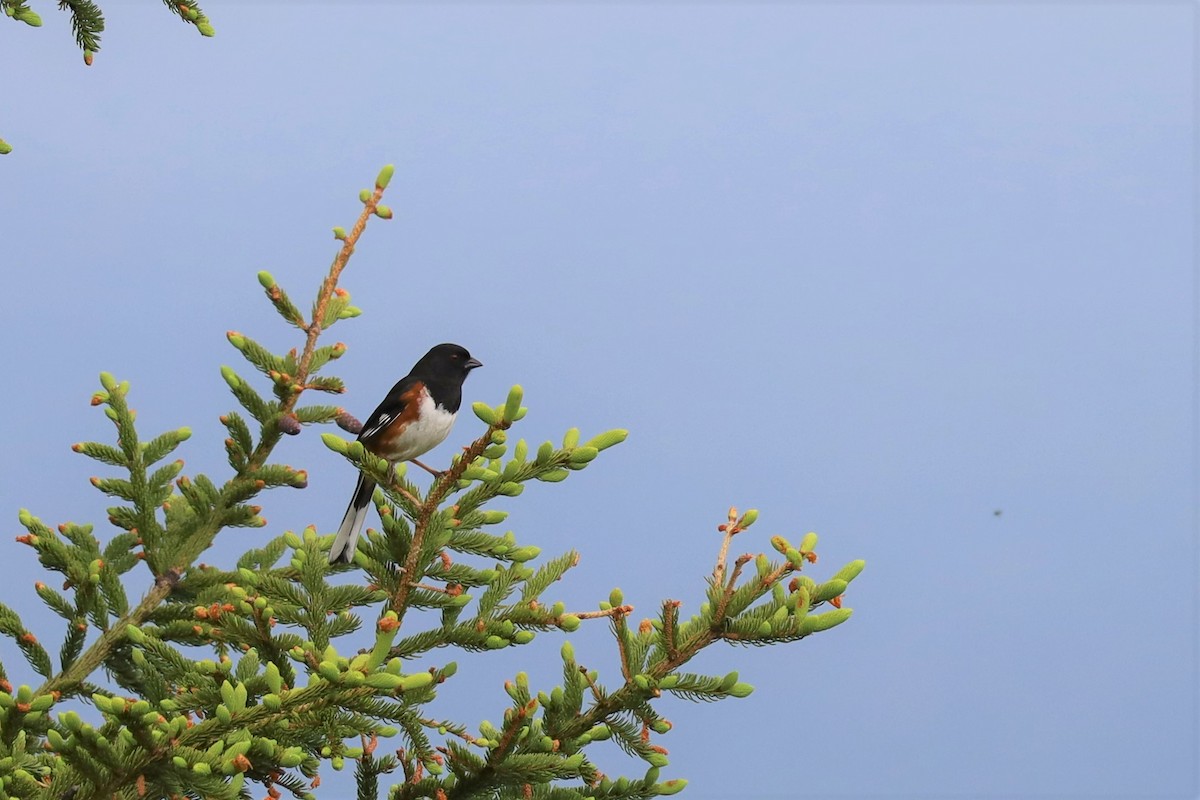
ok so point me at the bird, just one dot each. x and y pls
(415, 417)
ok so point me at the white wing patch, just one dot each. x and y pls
(377, 427)
(430, 428)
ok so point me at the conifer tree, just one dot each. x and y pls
(126, 709)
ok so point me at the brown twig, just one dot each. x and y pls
(730, 586)
(596, 693)
(439, 589)
(425, 510)
(621, 630)
(779, 572)
(624, 610)
(670, 615)
(450, 727)
(730, 529)
(510, 733)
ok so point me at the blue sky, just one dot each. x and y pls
(874, 269)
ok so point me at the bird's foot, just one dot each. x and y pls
(436, 473)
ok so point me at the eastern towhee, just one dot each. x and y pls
(415, 417)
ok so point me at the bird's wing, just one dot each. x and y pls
(401, 402)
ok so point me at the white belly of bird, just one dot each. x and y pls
(427, 431)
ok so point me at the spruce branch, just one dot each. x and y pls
(616, 611)
(87, 23)
(198, 514)
(277, 700)
(424, 513)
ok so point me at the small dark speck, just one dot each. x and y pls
(997, 512)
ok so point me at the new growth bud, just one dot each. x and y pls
(385, 176)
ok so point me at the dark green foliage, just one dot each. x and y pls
(87, 21)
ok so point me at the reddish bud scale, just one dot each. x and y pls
(28, 638)
(347, 422)
(836, 602)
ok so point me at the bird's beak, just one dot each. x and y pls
(472, 363)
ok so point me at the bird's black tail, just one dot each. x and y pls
(344, 543)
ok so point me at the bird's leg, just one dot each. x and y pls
(437, 473)
(394, 480)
